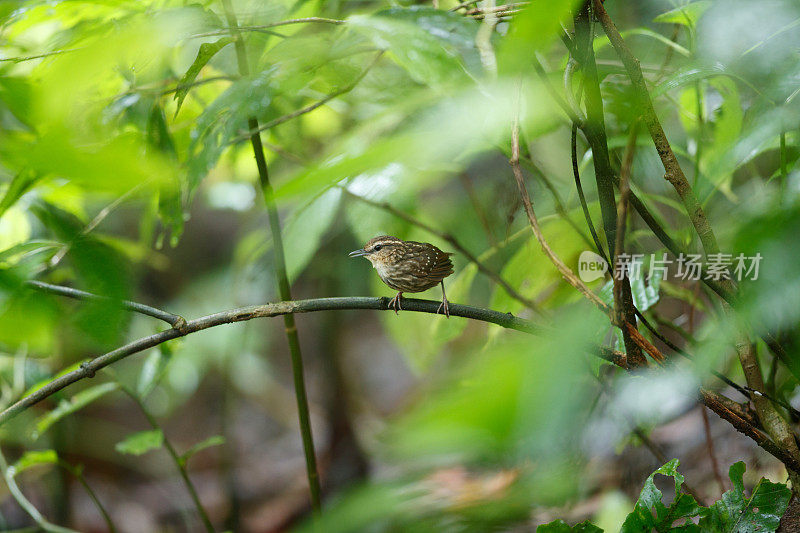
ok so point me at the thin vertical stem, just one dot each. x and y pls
(179, 463)
(700, 129)
(77, 472)
(280, 272)
(595, 131)
(784, 171)
(26, 505)
(712, 454)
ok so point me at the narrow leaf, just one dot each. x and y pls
(559, 526)
(141, 442)
(215, 440)
(687, 15)
(204, 55)
(34, 458)
(66, 407)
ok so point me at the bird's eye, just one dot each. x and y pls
(377, 247)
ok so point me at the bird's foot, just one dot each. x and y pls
(444, 306)
(394, 303)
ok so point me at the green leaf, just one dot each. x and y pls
(225, 119)
(216, 440)
(66, 407)
(21, 184)
(204, 55)
(305, 230)
(687, 15)
(735, 513)
(535, 27)
(432, 45)
(559, 526)
(650, 513)
(26, 249)
(660, 38)
(153, 368)
(645, 295)
(141, 442)
(34, 458)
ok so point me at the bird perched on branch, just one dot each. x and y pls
(408, 266)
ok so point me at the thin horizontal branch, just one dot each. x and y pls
(175, 321)
(263, 27)
(714, 401)
(302, 111)
(89, 368)
(161, 89)
(38, 56)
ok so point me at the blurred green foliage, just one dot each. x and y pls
(125, 170)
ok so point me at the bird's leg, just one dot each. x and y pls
(394, 303)
(444, 305)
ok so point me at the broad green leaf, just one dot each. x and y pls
(15, 228)
(21, 184)
(506, 399)
(536, 26)
(225, 119)
(687, 14)
(436, 138)
(305, 230)
(559, 526)
(727, 127)
(27, 318)
(67, 407)
(141, 442)
(204, 55)
(650, 512)
(431, 44)
(27, 249)
(735, 513)
(15, 94)
(34, 458)
(216, 440)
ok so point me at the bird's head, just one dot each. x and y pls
(379, 250)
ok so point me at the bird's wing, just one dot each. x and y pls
(442, 266)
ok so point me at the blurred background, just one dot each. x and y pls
(126, 170)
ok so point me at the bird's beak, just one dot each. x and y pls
(358, 253)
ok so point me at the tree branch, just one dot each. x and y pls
(89, 368)
(175, 321)
(717, 403)
(263, 27)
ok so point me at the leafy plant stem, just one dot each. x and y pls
(284, 289)
(78, 473)
(26, 505)
(179, 464)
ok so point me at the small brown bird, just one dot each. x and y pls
(408, 266)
